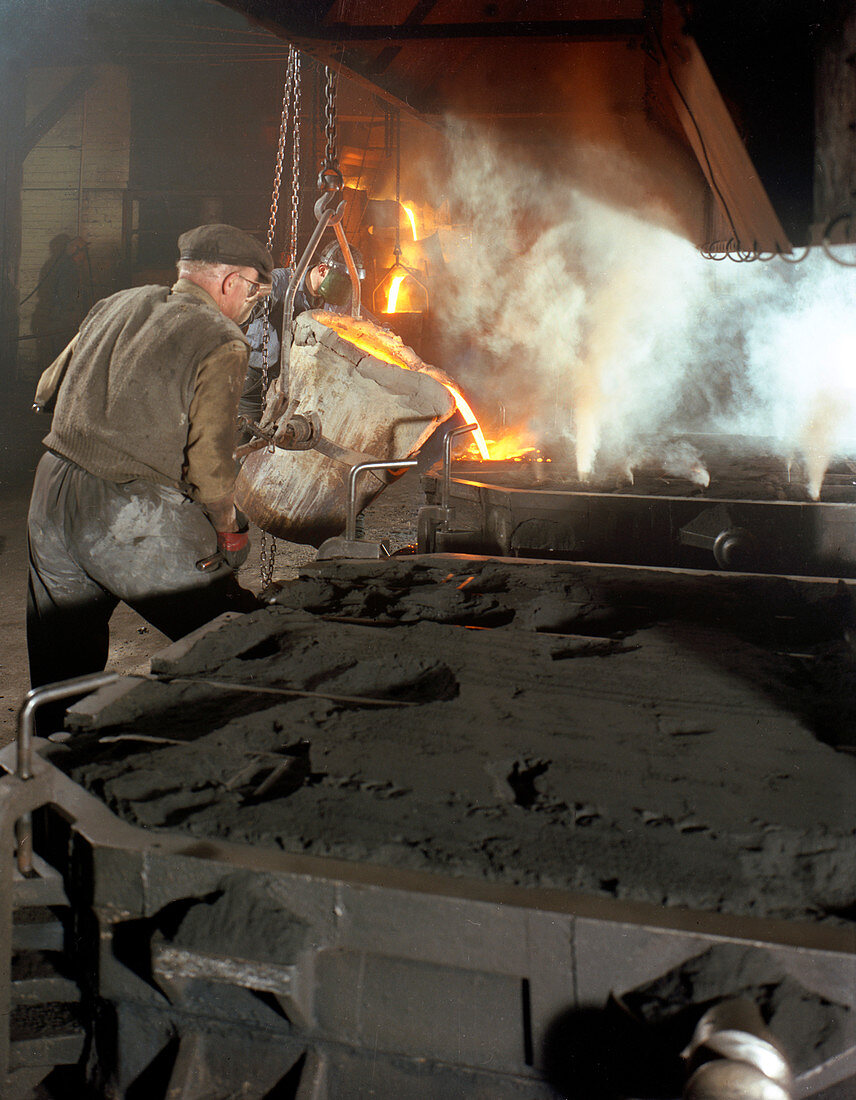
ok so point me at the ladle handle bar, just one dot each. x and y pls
(447, 459)
(397, 464)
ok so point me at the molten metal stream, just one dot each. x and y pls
(392, 298)
(409, 214)
(470, 418)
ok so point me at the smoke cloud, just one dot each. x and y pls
(606, 327)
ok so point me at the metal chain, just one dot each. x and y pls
(331, 159)
(295, 161)
(280, 151)
(290, 96)
(287, 96)
(397, 249)
(267, 560)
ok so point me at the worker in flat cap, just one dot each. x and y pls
(133, 500)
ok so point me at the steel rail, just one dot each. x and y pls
(35, 698)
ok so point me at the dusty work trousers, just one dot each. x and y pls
(94, 543)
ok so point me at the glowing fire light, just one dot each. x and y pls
(392, 298)
(514, 444)
(409, 212)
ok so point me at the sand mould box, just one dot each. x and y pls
(680, 740)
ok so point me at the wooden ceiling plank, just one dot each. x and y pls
(577, 29)
(419, 13)
(717, 144)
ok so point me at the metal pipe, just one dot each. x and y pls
(36, 697)
(356, 289)
(447, 460)
(325, 213)
(351, 522)
(24, 843)
(50, 693)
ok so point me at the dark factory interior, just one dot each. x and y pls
(507, 750)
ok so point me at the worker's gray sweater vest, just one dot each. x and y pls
(123, 407)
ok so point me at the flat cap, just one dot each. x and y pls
(224, 244)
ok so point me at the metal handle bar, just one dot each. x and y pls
(356, 289)
(409, 271)
(49, 693)
(447, 460)
(351, 523)
(325, 212)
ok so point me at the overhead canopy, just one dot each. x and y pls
(731, 85)
(517, 59)
(434, 56)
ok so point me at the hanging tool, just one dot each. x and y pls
(280, 427)
(329, 210)
(298, 433)
(394, 127)
(331, 156)
(290, 104)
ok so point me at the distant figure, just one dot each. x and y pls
(65, 294)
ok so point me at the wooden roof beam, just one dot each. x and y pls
(734, 181)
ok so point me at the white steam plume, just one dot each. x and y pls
(608, 326)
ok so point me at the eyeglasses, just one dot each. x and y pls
(256, 289)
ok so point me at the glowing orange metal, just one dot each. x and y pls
(409, 212)
(515, 444)
(470, 418)
(392, 297)
(379, 348)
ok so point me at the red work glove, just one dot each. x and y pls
(234, 546)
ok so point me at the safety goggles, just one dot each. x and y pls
(335, 287)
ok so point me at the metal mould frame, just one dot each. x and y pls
(795, 537)
(427, 985)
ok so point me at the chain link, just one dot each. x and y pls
(290, 104)
(295, 161)
(287, 96)
(267, 560)
(280, 151)
(331, 158)
(397, 249)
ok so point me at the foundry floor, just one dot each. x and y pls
(132, 641)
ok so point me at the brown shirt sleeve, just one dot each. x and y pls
(210, 456)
